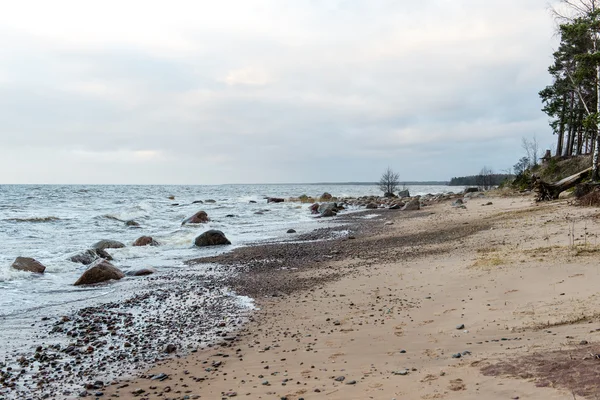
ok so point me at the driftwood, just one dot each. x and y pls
(550, 191)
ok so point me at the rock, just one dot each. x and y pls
(171, 197)
(145, 241)
(328, 213)
(199, 218)
(131, 223)
(141, 272)
(471, 190)
(340, 378)
(461, 326)
(401, 372)
(89, 256)
(489, 203)
(291, 231)
(457, 203)
(457, 355)
(275, 200)
(197, 202)
(211, 201)
(404, 193)
(327, 209)
(389, 194)
(252, 202)
(107, 244)
(326, 196)
(28, 264)
(397, 206)
(171, 348)
(314, 209)
(413, 205)
(472, 195)
(100, 271)
(372, 206)
(211, 238)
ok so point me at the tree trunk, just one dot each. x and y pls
(550, 191)
(561, 129)
(597, 148)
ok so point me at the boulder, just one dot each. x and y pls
(199, 218)
(107, 244)
(100, 271)
(141, 272)
(328, 209)
(197, 202)
(389, 194)
(404, 193)
(397, 206)
(89, 256)
(457, 203)
(413, 205)
(211, 238)
(291, 231)
(314, 209)
(211, 201)
(145, 241)
(328, 213)
(252, 202)
(28, 264)
(132, 223)
(471, 190)
(326, 196)
(275, 200)
(372, 206)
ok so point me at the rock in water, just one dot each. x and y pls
(101, 271)
(275, 200)
(89, 256)
(211, 238)
(412, 205)
(132, 223)
(107, 244)
(404, 193)
(326, 196)
(142, 272)
(199, 218)
(28, 264)
(145, 241)
(291, 231)
(314, 209)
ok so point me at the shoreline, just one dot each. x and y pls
(379, 318)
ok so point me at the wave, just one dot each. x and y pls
(34, 219)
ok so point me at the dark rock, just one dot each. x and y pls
(460, 326)
(211, 238)
(100, 271)
(211, 201)
(404, 193)
(314, 209)
(326, 196)
(412, 205)
(131, 223)
(252, 202)
(141, 272)
(199, 218)
(340, 378)
(275, 200)
(145, 241)
(291, 231)
(171, 348)
(471, 190)
(197, 202)
(372, 206)
(28, 264)
(328, 213)
(389, 194)
(107, 244)
(457, 355)
(91, 255)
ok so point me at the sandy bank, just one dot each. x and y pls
(381, 316)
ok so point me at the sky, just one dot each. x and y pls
(269, 91)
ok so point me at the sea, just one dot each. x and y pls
(51, 223)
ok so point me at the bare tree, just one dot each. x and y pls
(485, 179)
(388, 182)
(532, 149)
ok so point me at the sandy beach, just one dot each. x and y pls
(495, 301)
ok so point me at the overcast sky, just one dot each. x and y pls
(251, 91)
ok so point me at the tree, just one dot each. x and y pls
(582, 18)
(485, 179)
(532, 149)
(388, 182)
(521, 165)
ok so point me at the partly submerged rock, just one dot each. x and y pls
(211, 238)
(91, 255)
(275, 200)
(28, 264)
(145, 241)
(132, 223)
(107, 244)
(199, 218)
(141, 272)
(291, 231)
(100, 271)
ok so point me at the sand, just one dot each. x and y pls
(499, 284)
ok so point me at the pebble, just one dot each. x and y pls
(461, 326)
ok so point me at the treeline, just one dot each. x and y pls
(479, 180)
(570, 101)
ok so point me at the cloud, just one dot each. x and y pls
(267, 91)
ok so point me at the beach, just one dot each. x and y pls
(495, 301)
